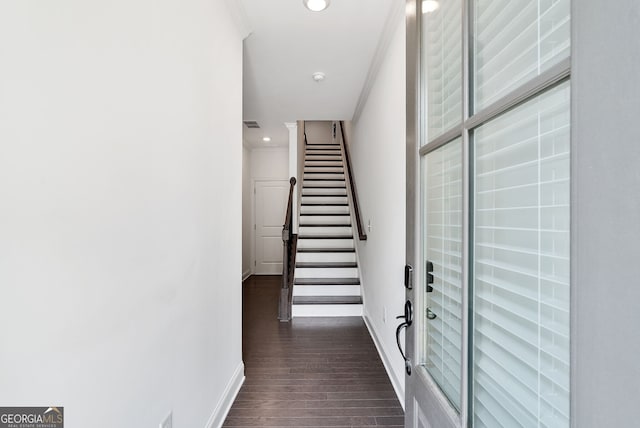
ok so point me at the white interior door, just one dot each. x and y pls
(270, 208)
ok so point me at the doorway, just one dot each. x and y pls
(270, 203)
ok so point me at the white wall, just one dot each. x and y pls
(270, 164)
(605, 208)
(264, 164)
(120, 186)
(319, 132)
(377, 148)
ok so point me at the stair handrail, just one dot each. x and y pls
(288, 244)
(352, 185)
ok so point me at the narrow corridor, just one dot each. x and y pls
(311, 372)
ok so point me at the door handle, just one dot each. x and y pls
(408, 320)
(408, 314)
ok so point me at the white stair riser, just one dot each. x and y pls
(320, 162)
(325, 243)
(322, 219)
(323, 169)
(310, 209)
(328, 230)
(325, 257)
(324, 183)
(323, 146)
(320, 157)
(320, 191)
(328, 177)
(326, 310)
(326, 290)
(326, 272)
(324, 200)
(329, 152)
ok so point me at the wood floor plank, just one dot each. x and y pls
(311, 372)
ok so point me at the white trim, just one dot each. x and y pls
(246, 274)
(239, 17)
(228, 397)
(395, 13)
(385, 361)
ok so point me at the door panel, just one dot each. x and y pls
(521, 263)
(270, 207)
(442, 279)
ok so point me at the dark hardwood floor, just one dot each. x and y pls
(311, 372)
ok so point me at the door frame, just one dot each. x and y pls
(254, 236)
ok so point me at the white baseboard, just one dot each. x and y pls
(246, 274)
(385, 361)
(226, 401)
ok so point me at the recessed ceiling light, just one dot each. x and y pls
(266, 139)
(318, 76)
(316, 5)
(429, 6)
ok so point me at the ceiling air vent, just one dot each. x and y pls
(251, 124)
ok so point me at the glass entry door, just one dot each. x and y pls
(488, 209)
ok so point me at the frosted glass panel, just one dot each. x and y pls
(442, 65)
(521, 266)
(443, 248)
(514, 41)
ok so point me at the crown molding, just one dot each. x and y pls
(396, 11)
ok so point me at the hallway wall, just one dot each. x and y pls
(377, 146)
(120, 186)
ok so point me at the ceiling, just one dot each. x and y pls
(288, 43)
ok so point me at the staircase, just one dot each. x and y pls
(326, 279)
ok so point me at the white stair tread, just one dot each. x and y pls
(320, 199)
(325, 243)
(324, 183)
(325, 230)
(326, 257)
(323, 191)
(324, 209)
(329, 176)
(326, 290)
(316, 273)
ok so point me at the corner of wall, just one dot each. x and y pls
(398, 385)
(228, 396)
(239, 16)
(395, 13)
